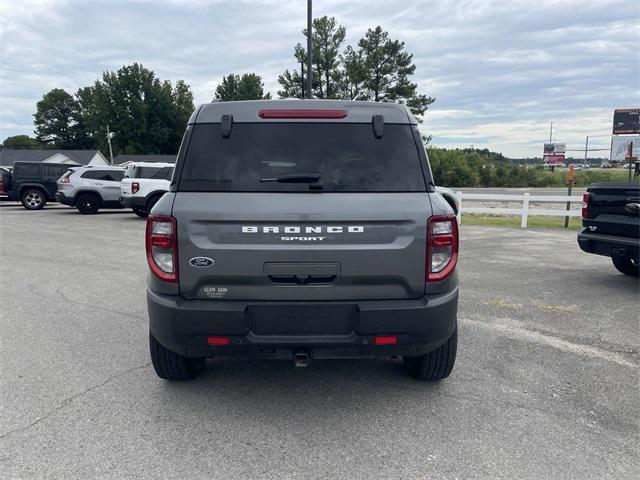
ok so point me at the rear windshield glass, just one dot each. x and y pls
(162, 173)
(346, 157)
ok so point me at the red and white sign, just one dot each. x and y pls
(557, 159)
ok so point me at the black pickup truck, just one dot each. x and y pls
(611, 221)
(33, 183)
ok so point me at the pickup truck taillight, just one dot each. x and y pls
(135, 186)
(585, 205)
(442, 247)
(162, 247)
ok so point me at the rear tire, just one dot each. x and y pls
(139, 212)
(33, 199)
(625, 265)
(172, 366)
(434, 365)
(88, 204)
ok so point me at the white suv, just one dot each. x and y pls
(143, 185)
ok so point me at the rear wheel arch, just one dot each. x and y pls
(153, 198)
(32, 186)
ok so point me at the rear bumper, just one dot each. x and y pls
(609, 245)
(420, 326)
(62, 198)
(139, 203)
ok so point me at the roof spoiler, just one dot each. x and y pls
(226, 122)
(378, 125)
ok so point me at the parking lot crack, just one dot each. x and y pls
(515, 330)
(67, 401)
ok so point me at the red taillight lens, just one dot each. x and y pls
(302, 113)
(585, 205)
(135, 187)
(66, 180)
(220, 341)
(442, 247)
(385, 340)
(162, 247)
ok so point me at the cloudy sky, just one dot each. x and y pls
(500, 70)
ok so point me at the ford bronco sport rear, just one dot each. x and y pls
(302, 230)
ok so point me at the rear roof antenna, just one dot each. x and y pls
(226, 122)
(378, 125)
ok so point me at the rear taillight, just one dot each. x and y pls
(66, 180)
(585, 205)
(442, 247)
(135, 187)
(162, 247)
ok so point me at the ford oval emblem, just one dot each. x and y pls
(201, 262)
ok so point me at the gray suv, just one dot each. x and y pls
(90, 188)
(302, 230)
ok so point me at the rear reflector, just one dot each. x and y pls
(302, 113)
(218, 340)
(386, 340)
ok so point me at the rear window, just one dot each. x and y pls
(347, 157)
(158, 173)
(27, 169)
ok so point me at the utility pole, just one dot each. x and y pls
(309, 68)
(551, 133)
(109, 135)
(586, 149)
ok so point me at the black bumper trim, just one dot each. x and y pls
(609, 245)
(420, 325)
(60, 198)
(139, 203)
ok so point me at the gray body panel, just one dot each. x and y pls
(382, 257)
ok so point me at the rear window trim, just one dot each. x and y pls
(178, 178)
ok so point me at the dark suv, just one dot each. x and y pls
(33, 183)
(302, 230)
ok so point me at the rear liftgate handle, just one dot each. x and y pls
(302, 273)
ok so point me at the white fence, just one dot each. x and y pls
(524, 211)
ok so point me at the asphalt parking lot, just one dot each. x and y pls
(546, 384)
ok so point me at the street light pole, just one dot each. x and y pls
(551, 133)
(309, 25)
(109, 134)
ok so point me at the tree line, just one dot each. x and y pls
(458, 168)
(148, 115)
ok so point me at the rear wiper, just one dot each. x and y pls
(294, 178)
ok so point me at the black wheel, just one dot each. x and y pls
(87, 203)
(152, 201)
(171, 366)
(434, 365)
(626, 265)
(33, 199)
(141, 213)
